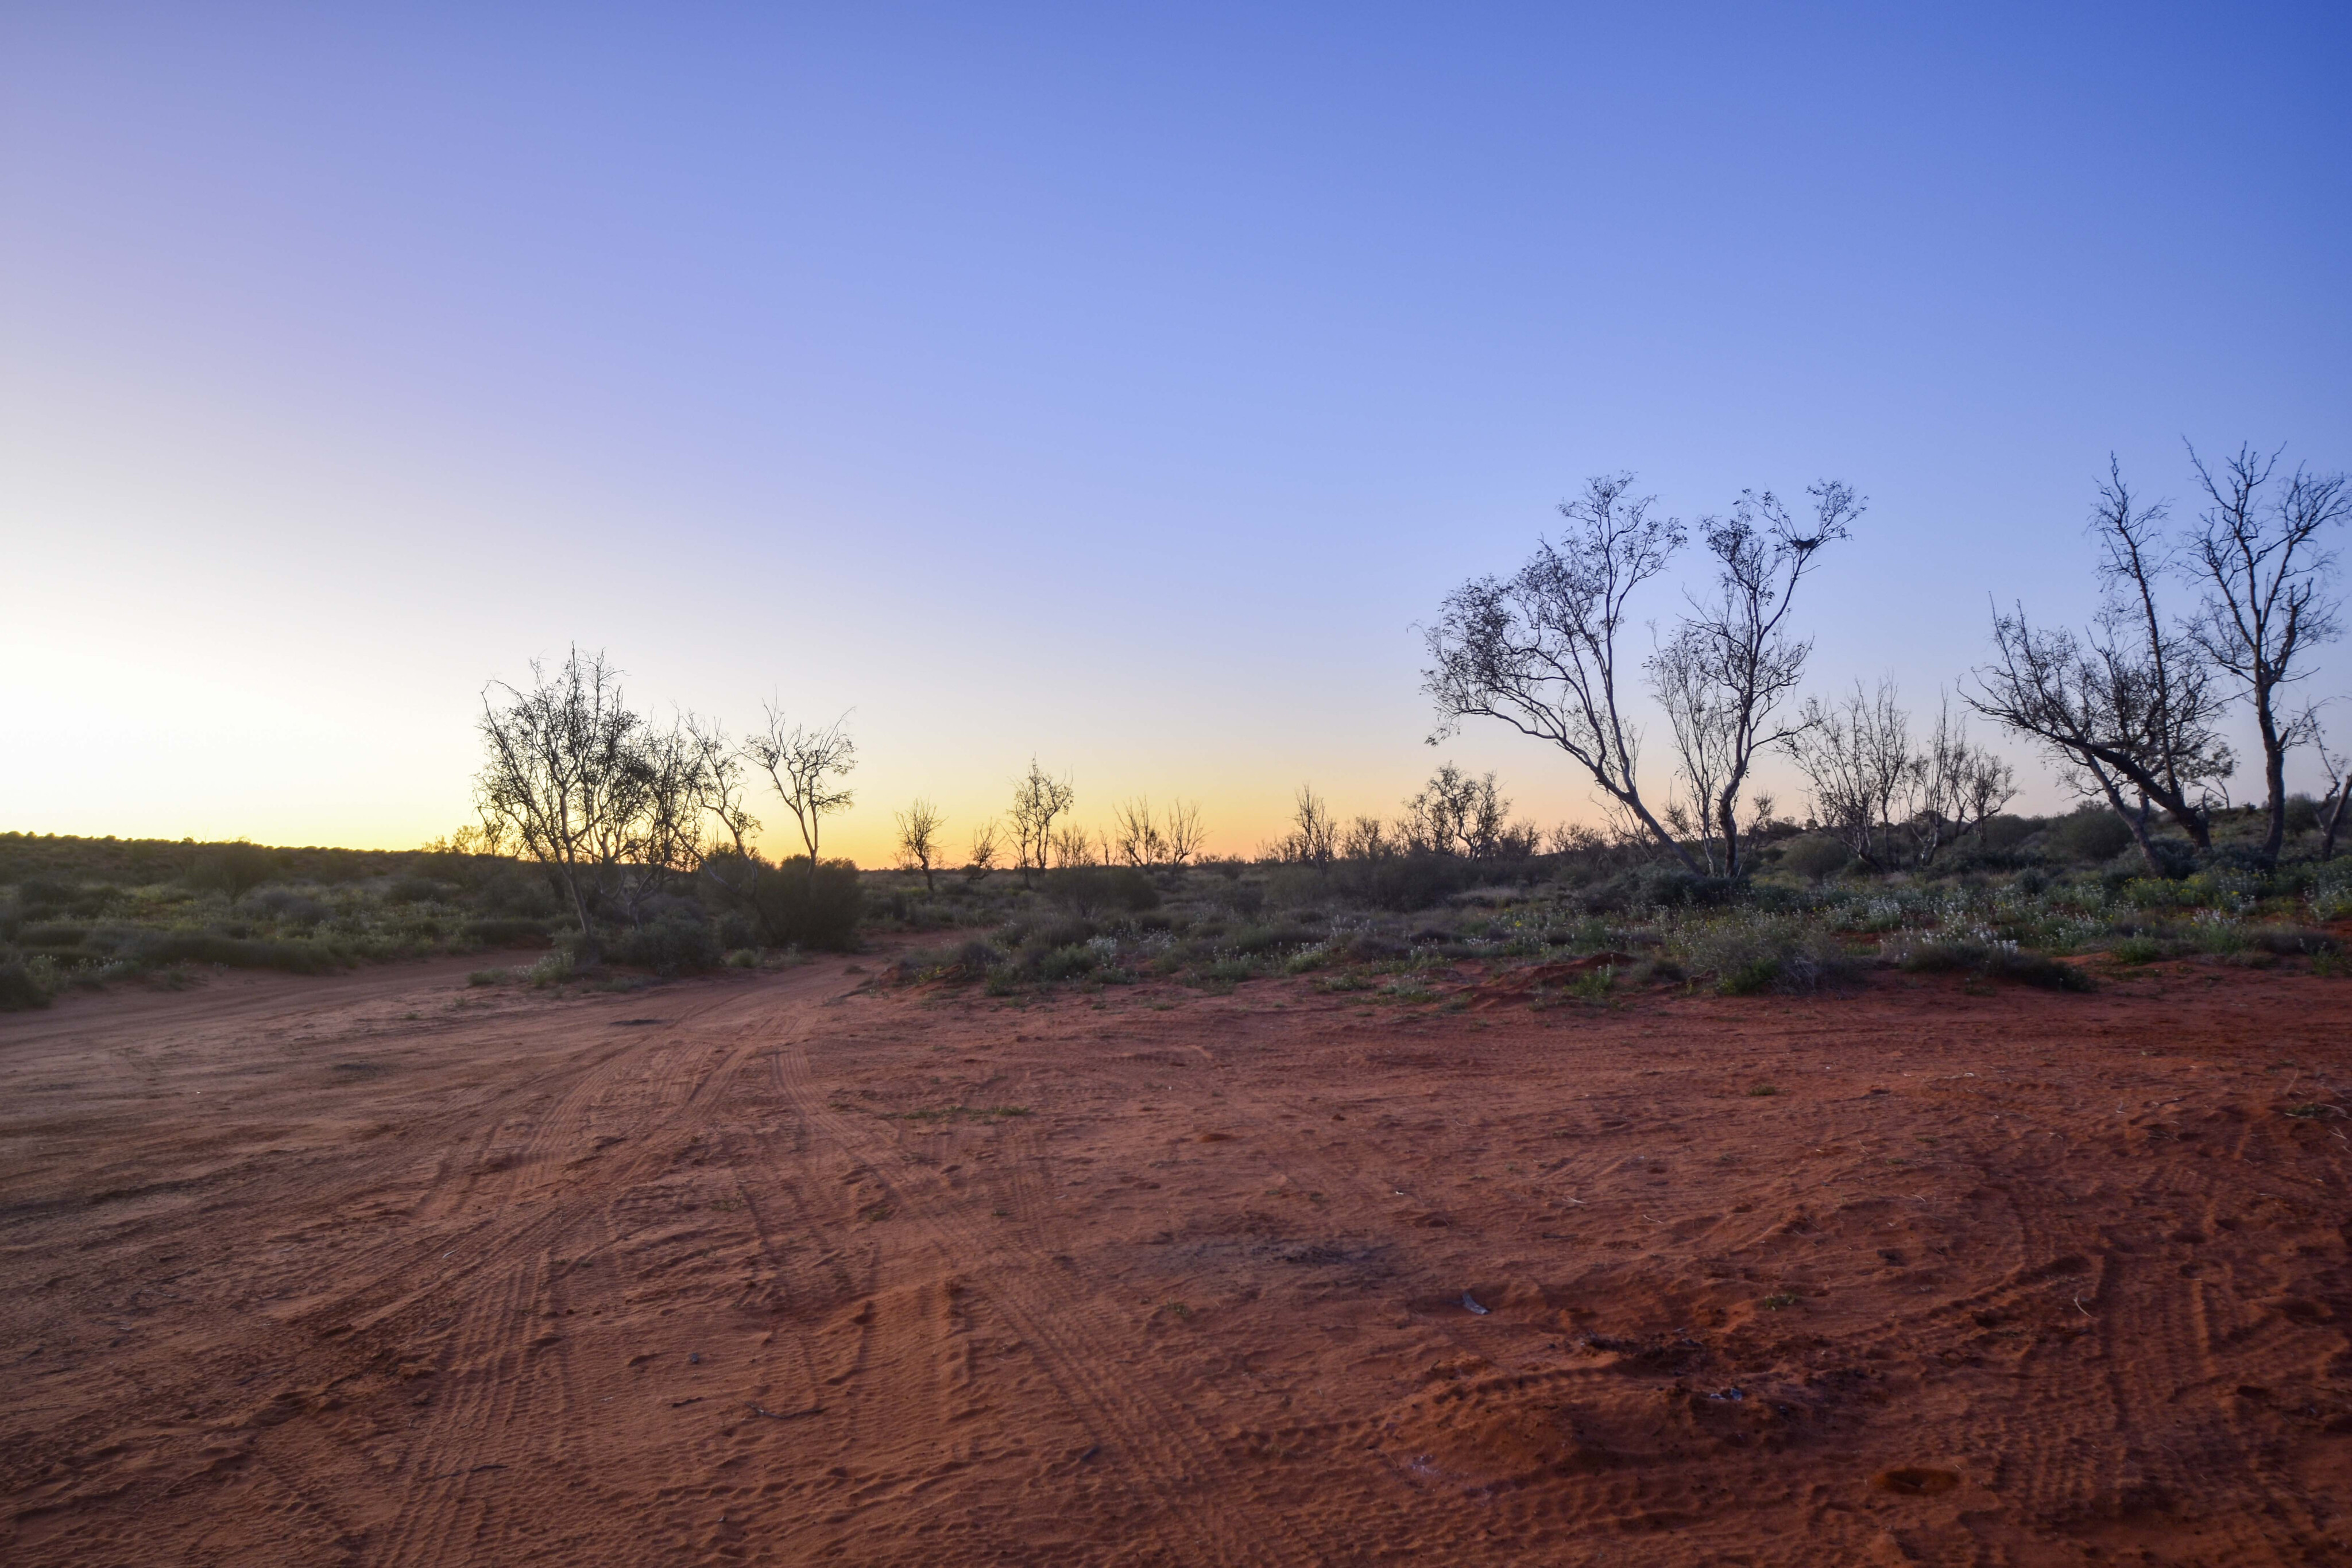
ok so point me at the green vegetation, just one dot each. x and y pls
(2020, 901)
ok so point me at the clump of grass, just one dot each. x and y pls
(1778, 1301)
(1983, 959)
(1747, 955)
(1763, 1090)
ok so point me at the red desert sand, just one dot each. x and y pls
(791, 1267)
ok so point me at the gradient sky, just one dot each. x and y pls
(1111, 383)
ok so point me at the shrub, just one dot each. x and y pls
(2090, 835)
(20, 989)
(157, 948)
(233, 869)
(1401, 883)
(819, 912)
(413, 889)
(507, 932)
(552, 969)
(1088, 890)
(1766, 952)
(673, 942)
(1994, 960)
(1815, 856)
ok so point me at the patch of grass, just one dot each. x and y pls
(1763, 1090)
(1778, 1301)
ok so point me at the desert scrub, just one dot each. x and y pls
(1983, 955)
(1746, 954)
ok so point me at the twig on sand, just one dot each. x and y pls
(786, 1415)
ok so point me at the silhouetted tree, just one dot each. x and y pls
(2261, 555)
(918, 839)
(1538, 650)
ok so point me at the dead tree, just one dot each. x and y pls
(918, 839)
(2263, 561)
(806, 766)
(1183, 831)
(2338, 770)
(1857, 757)
(2131, 710)
(1136, 836)
(1038, 798)
(984, 851)
(1314, 837)
(1959, 786)
(1724, 675)
(1538, 650)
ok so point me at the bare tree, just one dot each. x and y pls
(2262, 561)
(1367, 838)
(1455, 814)
(1857, 757)
(1037, 799)
(561, 775)
(806, 765)
(918, 839)
(2131, 711)
(1074, 846)
(1184, 833)
(1724, 674)
(984, 851)
(1538, 650)
(1880, 798)
(1137, 838)
(2338, 770)
(1314, 837)
(1956, 786)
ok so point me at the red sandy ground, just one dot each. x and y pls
(382, 1270)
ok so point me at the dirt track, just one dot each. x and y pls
(384, 1271)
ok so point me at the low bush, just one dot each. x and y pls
(1815, 856)
(154, 949)
(20, 989)
(1091, 890)
(819, 911)
(2089, 836)
(673, 943)
(507, 932)
(1749, 955)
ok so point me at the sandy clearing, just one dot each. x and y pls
(383, 1269)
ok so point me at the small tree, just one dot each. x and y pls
(982, 859)
(2263, 561)
(2132, 710)
(806, 766)
(2338, 770)
(1183, 832)
(1314, 837)
(1074, 846)
(562, 774)
(918, 839)
(1038, 798)
(1538, 650)
(1455, 814)
(1723, 674)
(1136, 836)
(1367, 838)
(1882, 801)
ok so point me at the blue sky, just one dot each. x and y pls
(1115, 384)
